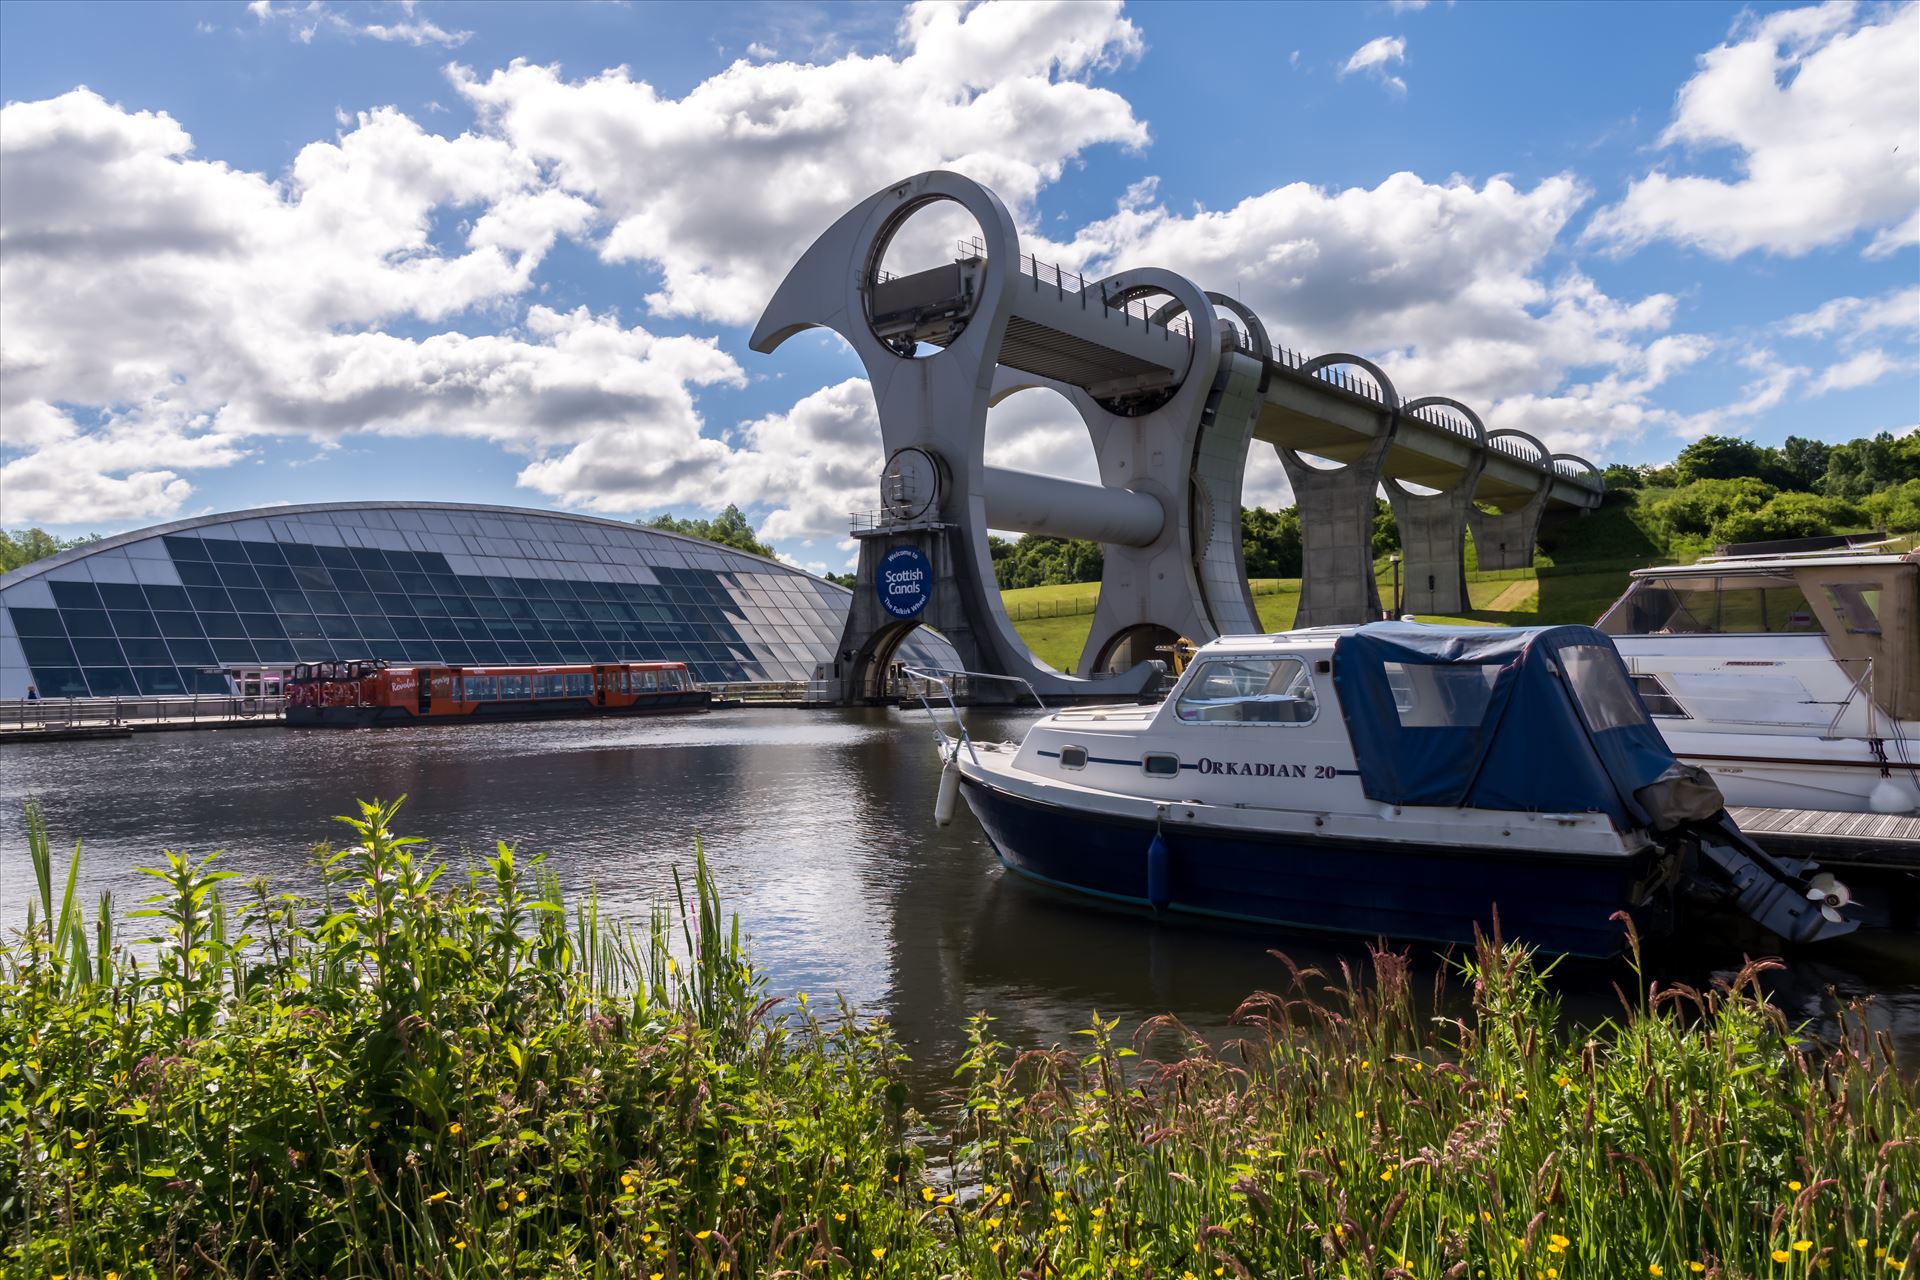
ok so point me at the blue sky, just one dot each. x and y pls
(319, 251)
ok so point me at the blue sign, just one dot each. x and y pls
(904, 583)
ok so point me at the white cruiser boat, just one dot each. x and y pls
(1794, 680)
(1387, 780)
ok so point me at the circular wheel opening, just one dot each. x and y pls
(1136, 645)
(924, 279)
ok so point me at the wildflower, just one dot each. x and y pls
(1801, 1246)
(1696, 1267)
(701, 1235)
(879, 1253)
(459, 1244)
(1781, 1255)
(79, 1144)
(1861, 1243)
(1386, 1175)
(454, 1129)
(502, 1205)
(1006, 1198)
(1654, 1269)
(519, 1197)
(436, 1197)
(1558, 1244)
(739, 1181)
(1794, 1185)
(993, 1224)
(926, 1193)
(839, 1217)
(658, 1275)
(845, 1187)
(1562, 1081)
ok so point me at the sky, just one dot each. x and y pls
(320, 251)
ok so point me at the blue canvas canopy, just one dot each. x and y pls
(1538, 719)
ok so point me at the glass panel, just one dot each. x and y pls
(326, 602)
(222, 624)
(167, 598)
(369, 558)
(381, 581)
(122, 595)
(59, 682)
(207, 681)
(159, 680)
(1249, 690)
(233, 651)
(1858, 604)
(339, 627)
(361, 601)
(99, 653)
(48, 651)
(313, 578)
(126, 622)
(299, 553)
(191, 653)
(225, 551)
(277, 577)
(238, 575)
(314, 650)
(373, 627)
(209, 598)
(195, 574)
(1601, 687)
(1453, 695)
(349, 580)
(181, 547)
(274, 650)
(37, 622)
(288, 601)
(111, 682)
(264, 552)
(336, 557)
(76, 595)
(139, 653)
(262, 626)
(247, 600)
(301, 626)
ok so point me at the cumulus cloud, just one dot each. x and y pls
(721, 190)
(1822, 108)
(161, 312)
(1375, 57)
(1854, 320)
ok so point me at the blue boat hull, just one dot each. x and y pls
(1561, 904)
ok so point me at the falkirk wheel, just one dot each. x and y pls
(1172, 394)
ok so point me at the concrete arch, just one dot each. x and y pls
(1586, 469)
(1504, 539)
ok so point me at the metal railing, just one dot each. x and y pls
(1067, 282)
(940, 681)
(749, 692)
(75, 713)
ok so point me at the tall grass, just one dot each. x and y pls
(414, 1073)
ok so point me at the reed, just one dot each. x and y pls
(413, 1073)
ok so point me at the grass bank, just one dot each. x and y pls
(419, 1072)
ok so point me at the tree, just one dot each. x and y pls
(1038, 560)
(1700, 506)
(1860, 467)
(28, 545)
(1270, 541)
(1728, 458)
(840, 579)
(730, 529)
(1620, 477)
(1804, 461)
(1785, 515)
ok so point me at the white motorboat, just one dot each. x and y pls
(1793, 679)
(1387, 780)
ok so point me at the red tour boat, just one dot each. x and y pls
(348, 695)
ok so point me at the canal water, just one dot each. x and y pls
(819, 829)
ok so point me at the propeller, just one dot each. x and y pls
(1830, 894)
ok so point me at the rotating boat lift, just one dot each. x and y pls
(1173, 393)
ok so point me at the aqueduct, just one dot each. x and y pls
(1174, 385)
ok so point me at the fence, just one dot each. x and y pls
(1081, 604)
(73, 713)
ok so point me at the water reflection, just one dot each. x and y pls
(818, 826)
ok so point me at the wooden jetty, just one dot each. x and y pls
(1886, 841)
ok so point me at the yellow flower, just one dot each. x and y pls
(658, 1275)
(1562, 1081)
(1655, 1269)
(993, 1224)
(839, 1217)
(1781, 1255)
(502, 1206)
(1794, 1185)
(519, 1197)
(926, 1193)
(1696, 1267)
(1558, 1244)
(1801, 1246)
(113, 1275)
(845, 1187)
(1552, 1272)
(80, 1144)
(1006, 1198)
(454, 1128)
(436, 1197)
(1386, 1175)
(879, 1254)
(739, 1181)
(1861, 1243)
(701, 1235)
(459, 1244)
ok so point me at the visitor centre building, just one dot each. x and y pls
(228, 603)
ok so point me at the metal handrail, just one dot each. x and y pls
(938, 676)
(25, 713)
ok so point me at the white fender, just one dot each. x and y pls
(948, 795)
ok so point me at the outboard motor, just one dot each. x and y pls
(1791, 897)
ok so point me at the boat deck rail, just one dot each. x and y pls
(939, 682)
(152, 710)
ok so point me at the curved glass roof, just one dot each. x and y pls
(177, 608)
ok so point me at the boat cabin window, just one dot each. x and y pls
(1600, 686)
(1693, 604)
(1159, 764)
(1248, 690)
(1450, 695)
(1659, 701)
(1858, 604)
(1073, 757)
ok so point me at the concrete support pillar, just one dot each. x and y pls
(1336, 519)
(1433, 529)
(1505, 540)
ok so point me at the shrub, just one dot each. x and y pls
(1697, 507)
(1786, 515)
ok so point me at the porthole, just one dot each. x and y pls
(1073, 757)
(1159, 764)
